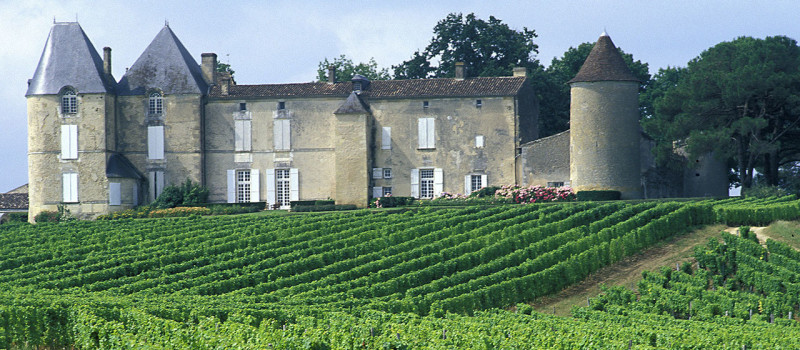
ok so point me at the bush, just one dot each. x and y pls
(324, 207)
(179, 212)
(17, 217)
(235, 208)
(47, 216)
(598, 195)
(763, 191)
(392, 201)
(485, 192)
(536, 194)
(186, 194)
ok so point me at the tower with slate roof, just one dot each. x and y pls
(604, 124)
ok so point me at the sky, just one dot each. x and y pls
(279, 41)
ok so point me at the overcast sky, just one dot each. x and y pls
(283, 41)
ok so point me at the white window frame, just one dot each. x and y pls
(156, 182)
(282, 134)
(69, 141)
(155, 104)
(244, 190)
(427, 187)
(470, 181)
(243, 135)
(155, 142)
(387, 173)
(479, 141)
(386, 137)
(387, 190)
(114, 193)
(276, 185)
(426, 135)
(69, 102)
(69, 187)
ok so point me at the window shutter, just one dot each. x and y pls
(271, 197)
(238, 135)
(65, 142)
(287, 134)
(294, 188)
(431, 129)
(151, 181)
(377, 192)
(484, 180)
(247, 135)
(479, 141)
(468, 184)
(159, 182)
(255, 185)
(386, 138)
(114, 193)
(66, 193)
(135, 193)
(422, 134)
(415, 183)
(231, 186)
(155, 142)
(277, 134)
(438, 182)
(69, 142)
(377, 173)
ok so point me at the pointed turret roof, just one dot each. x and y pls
(69, 59)
(165, 65)
(353, 105)
(604, 64)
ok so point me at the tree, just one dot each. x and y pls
(225, 68)
(345, 69)
(740, 100)
(554, 98)
(487, 48)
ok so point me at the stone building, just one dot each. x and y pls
(97, 145)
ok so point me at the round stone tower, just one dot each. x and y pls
(604, 124)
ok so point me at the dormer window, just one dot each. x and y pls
(242, 106)
(360, 83)
(281, 105)
(156, 105)
(69, 102)
(478, 103)
(424, 104)
(357, 86)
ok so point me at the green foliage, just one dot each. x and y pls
(598, 195)
(225, 68)
(393, 201)
(763, 191)
(17, 217)
(487, 48)
(185, 194)
(346, 69)
(62, 214)
(323, 207)
(488, 191)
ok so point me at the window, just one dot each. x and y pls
(426, 183)
(387, 173)
(243, 186)
(479, 141)
(242, 135)
(156, 182)
(114, 193)
(282, 134)
(283, 187)
(387, 191)
(474, 182)
(155, 142)
(424, 104)
(156, 104)
(377, 173)
(69, 102)
(357, 87)
(555, 184)
(386, 138)
(426, 135)
(69, 142)
(242, 106)
(478, 103)
(281, 105)
(69, 187)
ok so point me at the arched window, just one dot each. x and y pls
(69, 102)
(156, 103)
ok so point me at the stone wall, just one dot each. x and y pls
(546, 160)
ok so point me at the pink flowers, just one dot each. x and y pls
(536, 194)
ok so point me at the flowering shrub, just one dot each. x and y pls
(447, 195)
(536, 194)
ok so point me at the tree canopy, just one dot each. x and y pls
(739, 100)
(346, 69)
(487, 48)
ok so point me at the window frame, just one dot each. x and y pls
(243, 182)
(69, 187)
(69, 102)
(155, 105)
(387, 173)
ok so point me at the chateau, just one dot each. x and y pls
(98, 145)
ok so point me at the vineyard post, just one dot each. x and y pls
(726, 313)
(587, 302)
(751, 314)
(371, 332)
(444, 334)
(630, 343)
(771, 318)
(790, 315)
(554, 310)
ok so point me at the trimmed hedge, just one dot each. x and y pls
(323, 207)
(598, 195)
(392, 201)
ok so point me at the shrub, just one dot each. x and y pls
(17, 217)
(598, 195)
(324, 207)
(485, 192)
(763, 191)
(186, 194)
(47, 216)
(237, 208)
(536, 194)
(391, 201)
(179, 212)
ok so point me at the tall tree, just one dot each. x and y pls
(554, 99)
(739, 99)
(487, 48)
(346, 69)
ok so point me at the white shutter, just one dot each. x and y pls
(247, 136)
(377, 192)
(255, 185)
(438, 182)
(277, 134)
(155, 142)
(114, 193)
(431, 129)
(271, 187)
(386, 138)
(422, 126)
(151, 181)
(69, 142)
(415, 183)
(287, 134)
(468, 184)
(294, 188)
(231, 186)
(135, 193)
(484, 180)
(159, 182)
(65, 142)
(238, 135)
(479, 141)
(66, 192)
(377, 173)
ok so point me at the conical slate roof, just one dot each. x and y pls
(69, 59)
(604, 64)
(165, 65)
(353, 105)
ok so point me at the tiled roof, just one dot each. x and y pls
(443, 87)
(604, 64)
(13, 201)
(119, 166)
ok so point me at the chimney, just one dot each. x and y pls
(459, 70)
(225, 85)
(331, 74)
(107, 61)
(520, 72)
(209, 67)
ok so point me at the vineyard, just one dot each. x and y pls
(422, 278)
